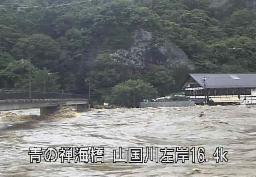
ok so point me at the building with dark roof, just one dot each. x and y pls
(221, 88)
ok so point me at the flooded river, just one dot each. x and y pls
(230, 127)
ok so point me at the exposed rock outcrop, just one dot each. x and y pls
(136, 54)
(143, 52)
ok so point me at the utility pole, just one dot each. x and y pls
(89, 92)
(30, 80)
(45, 80)
(205, 91)
(44, 90)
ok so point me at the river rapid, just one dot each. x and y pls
(230, 127)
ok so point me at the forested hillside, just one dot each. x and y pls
(67, 44)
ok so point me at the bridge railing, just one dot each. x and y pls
(12, 94)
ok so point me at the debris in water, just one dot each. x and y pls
(201, 114)
(195, 170)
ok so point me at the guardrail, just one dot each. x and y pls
(12, 94)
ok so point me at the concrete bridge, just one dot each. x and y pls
(47, 102)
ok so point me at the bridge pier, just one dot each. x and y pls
(82, 107)
(46, 111)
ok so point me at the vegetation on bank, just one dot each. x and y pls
(71, 44)
(131, 92)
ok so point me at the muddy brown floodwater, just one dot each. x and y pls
(231, 127)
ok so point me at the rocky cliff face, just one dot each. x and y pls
(136, 54)
(143, 52)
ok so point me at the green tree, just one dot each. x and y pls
(5, 59)
(242, 22)
(240, 51)
(131, 92)
(196, 4)
(41, 49)
(17, 75)
(161, 78)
